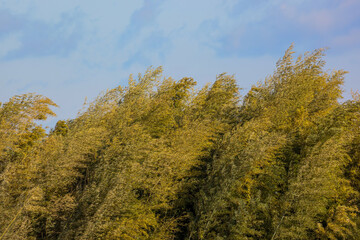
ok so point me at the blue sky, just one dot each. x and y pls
(71, 49)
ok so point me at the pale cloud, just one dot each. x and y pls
(320, 20)
(323, 16)
(189, 15)
(9, 22)
(349, 3)
(37, 38)
(49, 11)
(350, 39)
(141, 19)
(152, 51)
(9, 43)
(69, 50)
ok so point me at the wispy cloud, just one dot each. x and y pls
(324, 17)
(9, 22)
(248, 30)
(350, 39)
(9, 43)
(142, 39)
(37, 38)
(152, 50)
(268, 27)
(71, 49)
(140, 19)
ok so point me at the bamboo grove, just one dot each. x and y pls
(163, 159)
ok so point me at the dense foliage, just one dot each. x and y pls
(160, 159)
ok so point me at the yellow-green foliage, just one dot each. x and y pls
(161, 159)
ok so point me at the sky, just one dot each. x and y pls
(70, 50)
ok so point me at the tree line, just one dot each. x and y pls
(163, 159)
